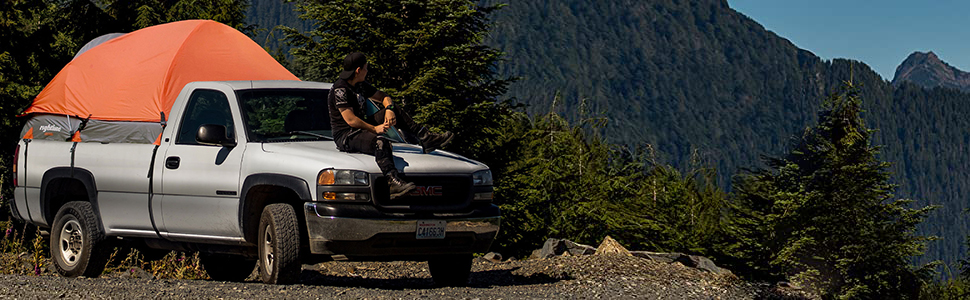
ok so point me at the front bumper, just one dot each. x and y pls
(355, 230)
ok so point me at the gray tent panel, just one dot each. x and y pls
(60, 127)
(97, 41)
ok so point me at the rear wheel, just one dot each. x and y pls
(279, 245)
(451, 270)
(227, 267)
(77, 242)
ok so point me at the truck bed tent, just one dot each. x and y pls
(124, 83)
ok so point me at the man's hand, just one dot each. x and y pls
(381, 129)
(355, 122)
(390, 118)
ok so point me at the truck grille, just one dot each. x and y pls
(431, 192)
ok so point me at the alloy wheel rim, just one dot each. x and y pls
(268, 256)
(72, 241)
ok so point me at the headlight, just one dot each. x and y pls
(342, 177)
(483, 177)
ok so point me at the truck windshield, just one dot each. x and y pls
(285, 115)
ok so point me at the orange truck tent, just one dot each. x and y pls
(130, 79)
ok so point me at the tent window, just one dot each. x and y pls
(205, 107)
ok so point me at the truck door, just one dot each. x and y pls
(200, 183)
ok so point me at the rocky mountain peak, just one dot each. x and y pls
(928, 70)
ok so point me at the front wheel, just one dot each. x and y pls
(279, 245)
(451, 270)
(77, 242)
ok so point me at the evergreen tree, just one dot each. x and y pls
(130, 15)
(565, 181)
(823, 214)
(427, 54)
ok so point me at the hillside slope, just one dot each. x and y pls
(697, 77)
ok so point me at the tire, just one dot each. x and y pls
(227, 267)
(279, 245)
(77, 243)
(451, 270)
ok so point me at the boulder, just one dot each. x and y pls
(609, 246)
(702, 263)
(659, 256)
(693, 261)
(577, 249)
(552, 247)
(494, 257)
(536, 254)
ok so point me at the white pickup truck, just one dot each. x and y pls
(246, 173)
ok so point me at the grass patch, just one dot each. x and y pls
(29, 254)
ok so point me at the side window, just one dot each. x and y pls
(204, 107)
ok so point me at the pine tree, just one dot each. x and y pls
(427, 54)
(565, 181)
(823, 215)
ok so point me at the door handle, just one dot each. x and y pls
(172, 162)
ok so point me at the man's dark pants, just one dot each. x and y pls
(370, 143)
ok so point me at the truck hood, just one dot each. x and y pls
(408, 158)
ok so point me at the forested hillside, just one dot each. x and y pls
(696, 77)
(688, 76)
(267, 15)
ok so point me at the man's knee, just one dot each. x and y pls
(382, 145)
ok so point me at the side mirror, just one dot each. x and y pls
(214, 135)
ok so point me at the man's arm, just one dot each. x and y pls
(355, 122)
(383, 98)
(389, 116)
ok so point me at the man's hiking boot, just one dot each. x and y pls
(433, 141)
(398, 186)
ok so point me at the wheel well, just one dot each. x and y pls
(59, 191)
(63, 184)
(258, 197)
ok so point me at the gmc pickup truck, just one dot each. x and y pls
(246, 173)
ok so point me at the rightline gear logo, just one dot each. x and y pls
(47, 128)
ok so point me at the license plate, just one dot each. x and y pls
(431, 230)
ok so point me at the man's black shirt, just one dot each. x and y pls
(343, 95)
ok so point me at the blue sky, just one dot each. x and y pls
(880, 33)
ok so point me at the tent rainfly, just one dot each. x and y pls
(124, 84)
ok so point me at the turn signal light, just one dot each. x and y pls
(326, 178)
(332, 196)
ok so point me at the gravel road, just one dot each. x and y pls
(589, 277)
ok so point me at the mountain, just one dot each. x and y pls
(927, 70)
(700, 82)
(703, 84)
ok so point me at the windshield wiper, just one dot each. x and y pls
(310, 134)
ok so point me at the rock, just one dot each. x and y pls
(702, 263)
(693, 261)
(577, 249)
(494, 257)
(658, 256)
(536, 254)
(609, 246)
(552, 247)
